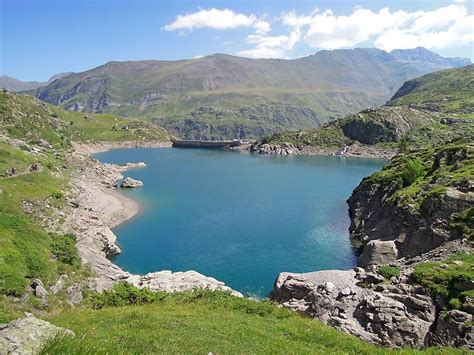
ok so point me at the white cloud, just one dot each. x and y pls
(440, 28)
(262, 27)
(444, 27)
(329, 31)
(460, 33)
(271, 46)
(213, 18)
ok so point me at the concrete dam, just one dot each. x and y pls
(208, 144)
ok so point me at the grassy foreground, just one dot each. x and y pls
(203, 322)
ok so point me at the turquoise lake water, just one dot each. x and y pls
(241, 218)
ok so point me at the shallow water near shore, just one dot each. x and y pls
(240, 218)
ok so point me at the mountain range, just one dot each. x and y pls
(223, 96)
(15, 85)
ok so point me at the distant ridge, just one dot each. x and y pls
(222, 96)
(15, 85)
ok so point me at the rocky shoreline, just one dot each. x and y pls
(356, 150)
(361, 302)
(96, 207)
(99, 147)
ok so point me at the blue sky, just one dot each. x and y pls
(40, 38)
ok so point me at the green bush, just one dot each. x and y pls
(11, 283)
(64, 248)
(413, 170)
(57, 195)
(455, 303)
(440, 278)
(388, 271)
(124, 294)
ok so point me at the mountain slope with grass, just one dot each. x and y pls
(428, 110)
(223, 96)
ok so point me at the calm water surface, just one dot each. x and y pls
(241, 218)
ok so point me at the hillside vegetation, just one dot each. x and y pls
(433, 109)
(203, 322)
(34, 140)
(222, 96)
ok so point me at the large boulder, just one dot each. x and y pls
(27, 335)
(129, 183)
(378, 252)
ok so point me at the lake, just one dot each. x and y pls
(241, 218)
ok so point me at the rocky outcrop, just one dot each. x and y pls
(391, 315)
(27, 335)
(455, 328)
(275, 149)
(384, 124)
(167, 281)
(390, 228)
(130, 183)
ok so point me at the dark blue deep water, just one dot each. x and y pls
(241, 218)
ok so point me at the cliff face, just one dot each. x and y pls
(394, 217)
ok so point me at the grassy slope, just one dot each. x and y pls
(27, 251)
(27, 118)
(203, 322)
(449, 91)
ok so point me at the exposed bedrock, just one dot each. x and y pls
(398, 314)
(394, 315)
(389, 228)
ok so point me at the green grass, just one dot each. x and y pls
(443, 278)
(448, 91)
(29, 119)
(203, 322)
(388, 271)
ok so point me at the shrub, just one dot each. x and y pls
(455, 303)
(388, 271)
(124, 294)
(64, 248)
(57, 195)
(441, 278)
(413, 170)
(11, 283)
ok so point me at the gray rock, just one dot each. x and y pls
(377, 252)
(40, 292)
(454, 328)
(74, 293)
(372, 278)
(27, 335)
(58, 286)
(167, 281)
(131, 183)
(329, 287)
(346, 292)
